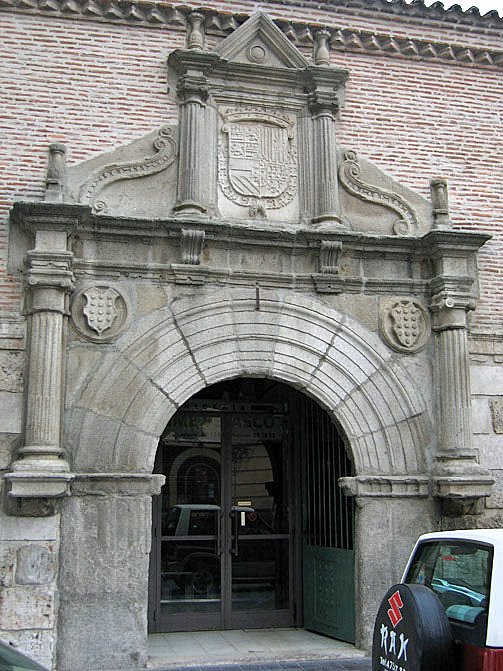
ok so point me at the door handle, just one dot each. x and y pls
(219, 533)
(235, 514)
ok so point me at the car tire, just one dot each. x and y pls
(412, 632)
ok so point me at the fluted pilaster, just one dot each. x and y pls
(41, 469)
(323, 106)
(460, 482)
(192, 93)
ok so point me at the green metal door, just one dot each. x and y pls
(328, 554)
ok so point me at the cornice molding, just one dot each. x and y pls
(157, 15)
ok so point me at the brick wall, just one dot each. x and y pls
(96, 84)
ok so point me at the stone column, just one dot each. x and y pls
(459, 482)
(41, 469)
(193, 92)
(323, 105)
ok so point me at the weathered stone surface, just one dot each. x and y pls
(8, 445)
(28, 528)
(11, 371)
(486, 380)
(27, 607)
(490, 451)
(496, 498)
(103, 582)
(497, 415)
(11, 404)
(482, 416)
(385, 534)
(7, 564)
(36, 565)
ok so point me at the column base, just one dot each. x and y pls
(189, 207)
(331, 221)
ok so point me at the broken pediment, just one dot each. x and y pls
(255, 142)
(140, 180)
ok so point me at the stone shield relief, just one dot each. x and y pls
(257, 159)
(405, 324)
(100, 312)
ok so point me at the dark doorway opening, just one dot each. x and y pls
(251, 469)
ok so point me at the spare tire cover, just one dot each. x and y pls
(412, 632)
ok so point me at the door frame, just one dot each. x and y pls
(227, 618)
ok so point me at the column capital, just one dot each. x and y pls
(451, 300)
(323, 102)
(193, 88)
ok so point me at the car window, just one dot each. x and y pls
(12, 660)
(459, 572)
(202, 522)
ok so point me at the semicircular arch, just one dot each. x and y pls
(172, 353)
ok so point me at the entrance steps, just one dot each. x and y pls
(252, 649)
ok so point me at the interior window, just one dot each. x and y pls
(459, 572)
(202, 522)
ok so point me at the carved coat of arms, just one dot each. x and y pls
(100, 309)
(405, 325)
(257, 164)
(408, 322)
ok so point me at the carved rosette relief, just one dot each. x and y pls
(257, 159)
(405, 325)
(100, 313)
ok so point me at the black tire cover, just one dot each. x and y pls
(412, 632)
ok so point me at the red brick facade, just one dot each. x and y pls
(425, 97)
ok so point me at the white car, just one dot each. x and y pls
(447, 612)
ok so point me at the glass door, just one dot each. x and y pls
(221, 553)
(187, 529)
(260, 530)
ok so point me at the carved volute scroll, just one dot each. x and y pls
(349, 175)
(165, 154)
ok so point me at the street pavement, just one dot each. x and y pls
(336, 664)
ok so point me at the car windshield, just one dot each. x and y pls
(459, 572)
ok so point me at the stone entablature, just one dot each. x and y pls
(391, 44)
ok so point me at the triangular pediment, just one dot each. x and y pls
(261, 42)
